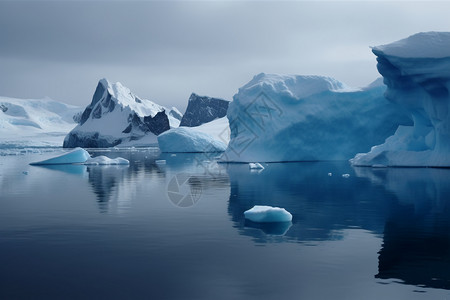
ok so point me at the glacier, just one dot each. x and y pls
(277, 118)
(416, 71)
(267, 214)
(35, 122)
(117, 116)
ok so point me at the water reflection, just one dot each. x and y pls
(408, 208)
(321, 205)
(416, 237)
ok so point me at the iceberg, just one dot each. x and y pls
(76, 156)
(276, 118)
(104, 160)
(255, 166)
(116, 116)
(209, 137)
(416, 71)
(186, 139)
(267, 214)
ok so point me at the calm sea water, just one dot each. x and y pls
(176, 230)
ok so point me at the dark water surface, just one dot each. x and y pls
(176, 230)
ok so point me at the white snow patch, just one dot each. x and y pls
(103, 160)
(255, 166)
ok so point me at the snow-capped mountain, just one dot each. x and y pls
(277, 118)
(202, 109)
(116, 116)
(416, 71)
(175, 117)
(35, 122)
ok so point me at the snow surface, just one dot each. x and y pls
(255, 166)
(423, 45)
(267, 214)
(187, 139)
(209, 137)
(104, 160)
(416, 71)
(277, 118)
(78, 155)
(35, 122)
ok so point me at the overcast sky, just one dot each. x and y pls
(163, 51)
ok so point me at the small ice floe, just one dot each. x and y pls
(160, 161)
(25, 173)
(256, 166)
(173, 155)
(267, 214)
(379, 166)
(330, 174)
(76, 156)
(103, 160)
(346, 175)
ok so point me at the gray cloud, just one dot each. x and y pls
(163, 51)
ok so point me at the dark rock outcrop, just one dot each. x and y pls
(202, 109)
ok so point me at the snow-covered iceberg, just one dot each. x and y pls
(209, 137)
(416, 71)
(203, 109)
(35, 122)
(76, 156)
(185, 139)
(267, 214)
(117, 116)
(305, 118)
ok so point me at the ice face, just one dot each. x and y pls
(277, 118)
(416, 71)
(267, 214)
(78, 155)
(188, 139)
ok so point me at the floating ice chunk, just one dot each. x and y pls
(266, 214)
(76, 156)
(346, 175)
(255, 166)
(379, 166)
(160, 162)
(25, 172)
(330, 174)
(103, 160)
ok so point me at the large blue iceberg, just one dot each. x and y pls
(416, 71)
(277, 118)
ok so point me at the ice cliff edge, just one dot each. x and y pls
(276, 118)
(416, 71)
